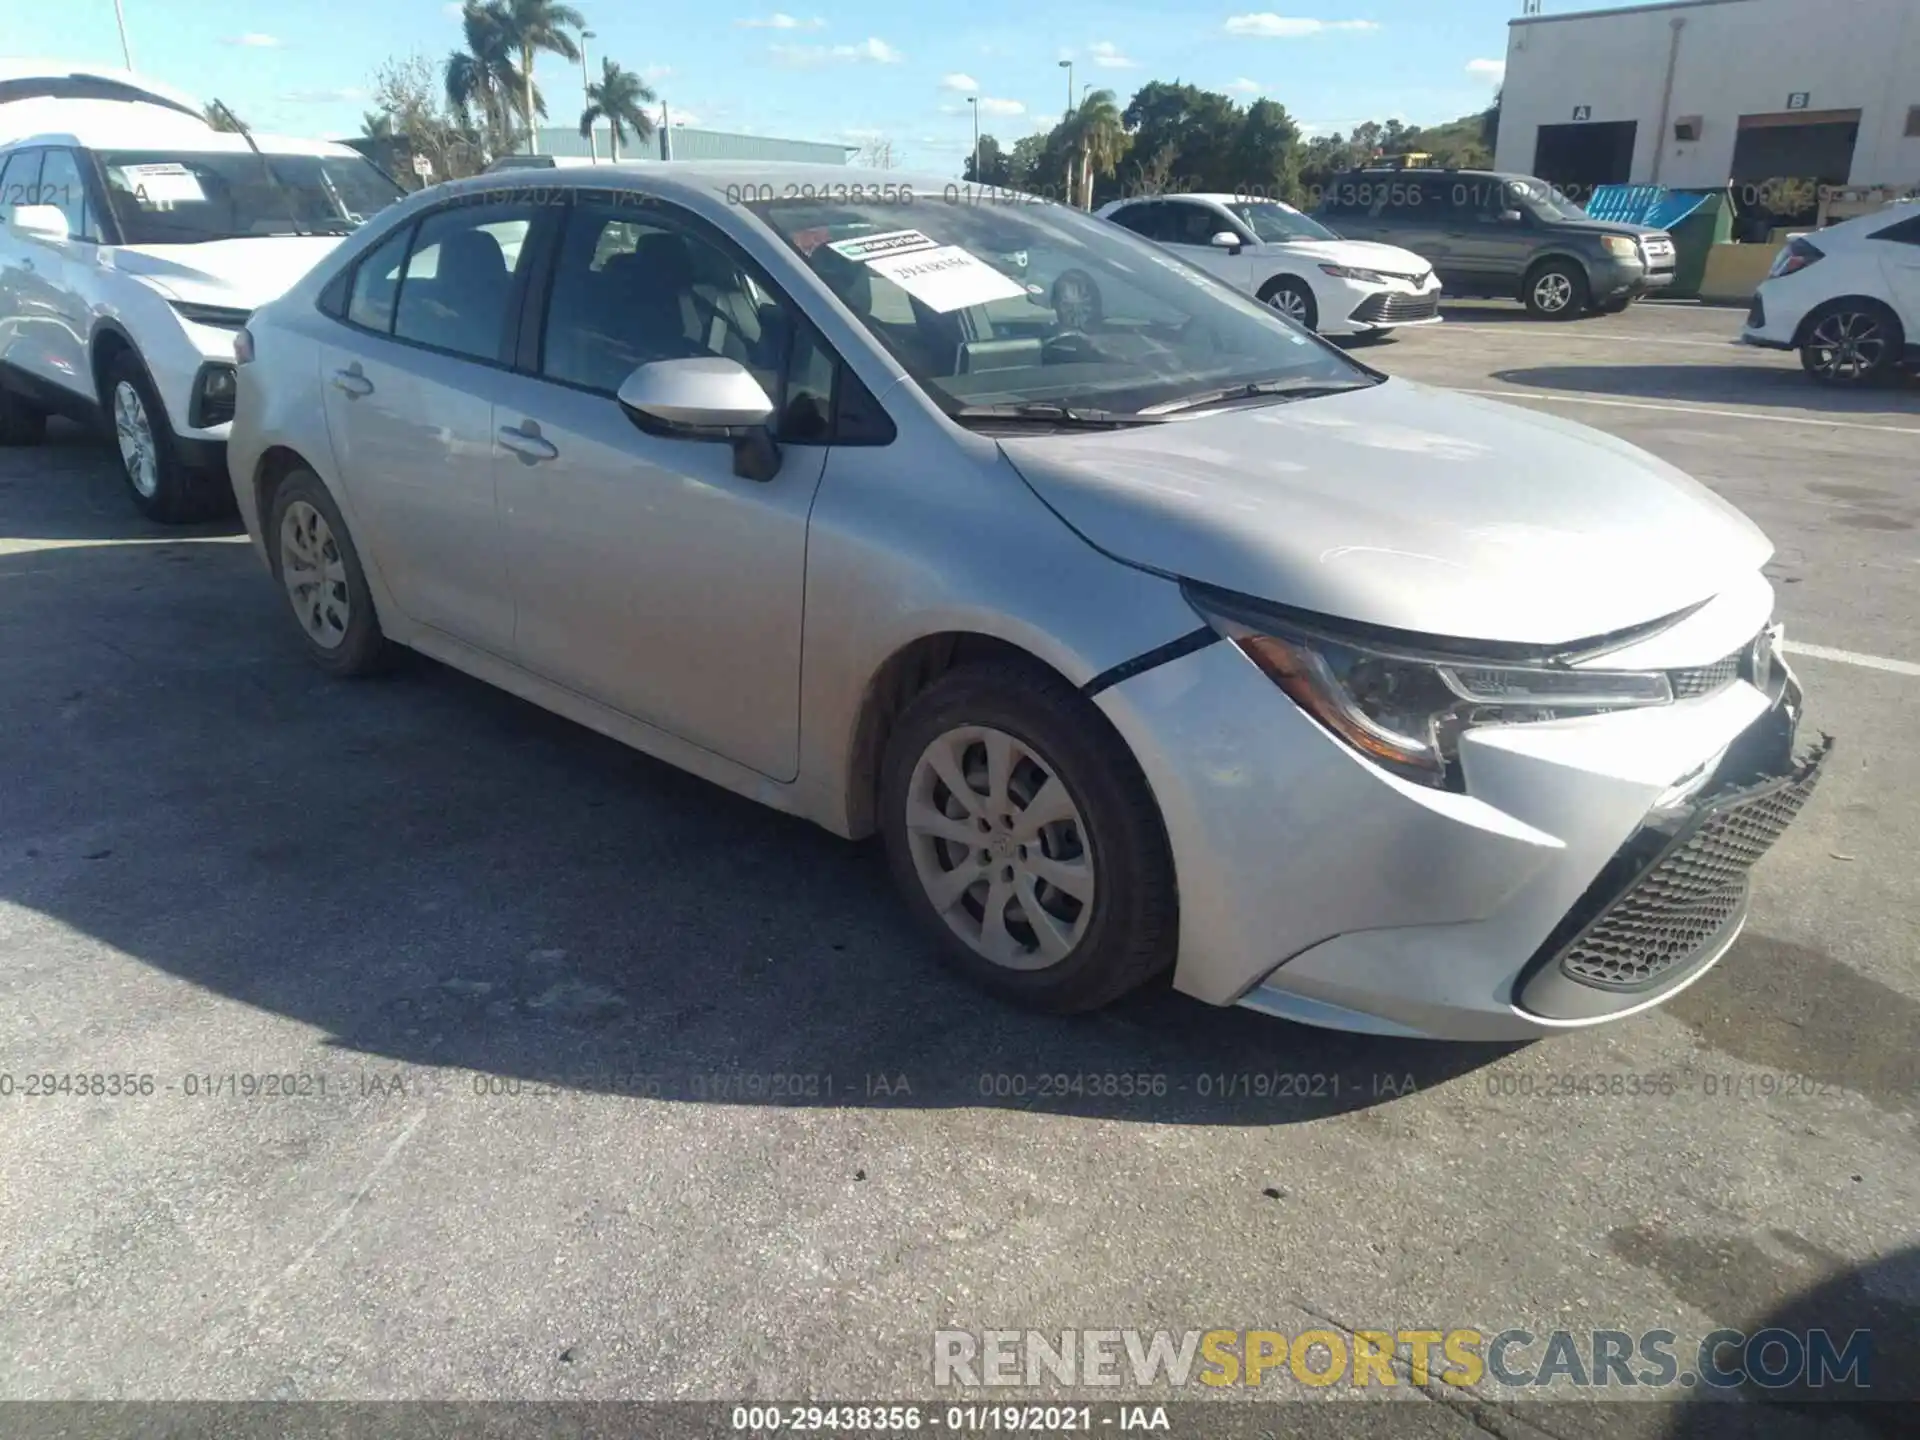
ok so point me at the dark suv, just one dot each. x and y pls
(1511, 235)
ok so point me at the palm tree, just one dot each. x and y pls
(483, 77)
(619, 99)
(376, 125)
(1096, 139)
(534, 25)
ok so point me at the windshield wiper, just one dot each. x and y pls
(1048, 412)
(273, 176)
(1295, 389)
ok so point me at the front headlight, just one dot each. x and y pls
(1355, 272)
(1406, 709)
(1624, 247)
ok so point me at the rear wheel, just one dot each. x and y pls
(21, 423)
(319, 571)
(1556, 290)
(1022, 835)
(1293, 299)
(1852, 342)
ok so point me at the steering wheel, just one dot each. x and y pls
(1076, 303)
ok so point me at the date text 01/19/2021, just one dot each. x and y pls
(884, 1419)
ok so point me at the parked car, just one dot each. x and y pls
(1492, 233)
(1290, 261)
(1847, 298)
(1163, 634)
(134, 241)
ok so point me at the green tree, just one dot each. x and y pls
(376, 125)
(411, 101)
(1026, 161)
(620, 98)
(1490, 123)
(995, 165)
(482, 80)
(1097, 139)
(533, 26)
(1265, 159)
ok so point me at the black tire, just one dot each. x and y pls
(21, 423)
(1131, 934)
(1555, 290)
(1860, 323)
(363, 649)
(1299, 293)
(175, 493)
(1612, 307)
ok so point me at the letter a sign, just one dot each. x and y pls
(1583, 112)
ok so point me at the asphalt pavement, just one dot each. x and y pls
(463, 1054)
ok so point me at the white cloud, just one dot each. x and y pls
(1107, 56)
(859, 134)
(676, 114)
(656, 72)
(453, 9)
(324, 97)
(991, 106)
(1284, 27)
(1244, 87)
(779, 21)
(868, 51)
(1492, 71)
(962, 84)
(253, 41)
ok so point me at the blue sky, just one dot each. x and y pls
(836, 70)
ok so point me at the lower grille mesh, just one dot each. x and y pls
(1681, 901)
(1705, 679)
(1395, 309)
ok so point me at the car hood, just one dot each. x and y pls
(1368, 254)
(243, 273)
(1405, 507)
(1606, 227)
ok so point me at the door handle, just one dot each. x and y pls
(530, 447)
(352, 383)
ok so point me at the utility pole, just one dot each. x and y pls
(126, 51)
(973, 104)
(1067, 65)
(666, 133)
(593, 151)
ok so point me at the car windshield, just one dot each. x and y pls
(1029, 303)
(1273, 222)
(1545, 200)
(173, 198)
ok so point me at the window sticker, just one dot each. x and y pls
(947, 278)
(162, 184)
(871, 247)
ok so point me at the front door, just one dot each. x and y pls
(411, 382)
(1190, 227)
(647, 574)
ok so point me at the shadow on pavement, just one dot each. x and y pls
(1722, 384)
(433, 873)
(76, 492)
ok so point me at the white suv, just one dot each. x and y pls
(134, 242)
(1290, 261)
(1847, 298)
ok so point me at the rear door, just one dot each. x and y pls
(1898, 249)
(54, 338)
(410, 384)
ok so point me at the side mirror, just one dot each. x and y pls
(49, 222)
(1511, 217)
(708, 398)
(1226, 240)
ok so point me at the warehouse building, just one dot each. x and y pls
(1698, 94)
(683, 142)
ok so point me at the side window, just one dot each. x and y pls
(628, 290)
(1436, 199)
(20, 179)
(376, 283)
(1138, 218)
(1196, 224)
(458, 287)
(61, 185)
(1907, 232)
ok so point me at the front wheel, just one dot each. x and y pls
(1023, 837)
(163, 485)
(1852, 342)
(1292, 299)
(1556, 290)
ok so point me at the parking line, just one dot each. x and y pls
(1850, 657)
(1557, 397)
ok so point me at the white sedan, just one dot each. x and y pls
(1290, 261)
(1847, 298)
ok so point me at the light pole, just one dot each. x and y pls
(973, 104)
(1067, 65)
(126, 51)
(593, 151)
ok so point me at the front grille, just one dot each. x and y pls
(1705, 679)
(1658, 248)
(1393, 309)
(1693, 885)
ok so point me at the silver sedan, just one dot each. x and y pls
(1150, 632)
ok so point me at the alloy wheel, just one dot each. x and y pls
(1290, 303)
(1553, 292)
(1848, 345)
(1000, 847)
(135, 433)
(315, 575)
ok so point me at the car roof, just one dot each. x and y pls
(124, 125)
(771, 179)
